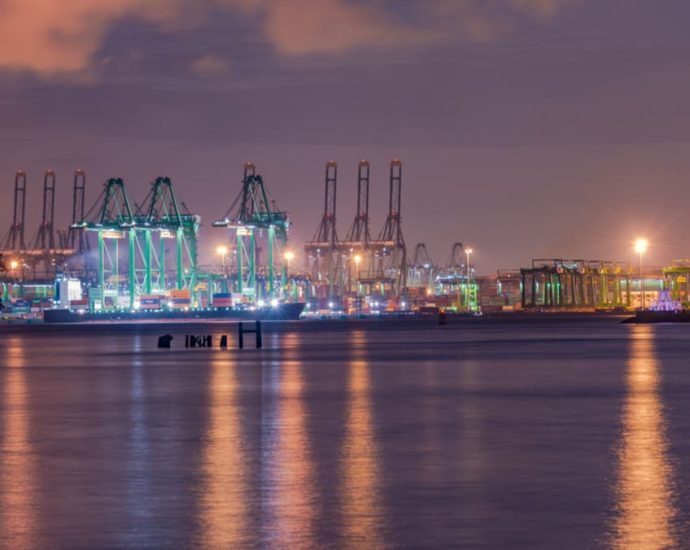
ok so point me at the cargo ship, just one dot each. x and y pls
(273, 312)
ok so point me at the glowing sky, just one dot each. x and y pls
(527, 128)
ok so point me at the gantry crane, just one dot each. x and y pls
(389, 253)
(355, 247)
(250, 214)
(421, 268)
(113, 218)
(324, 250)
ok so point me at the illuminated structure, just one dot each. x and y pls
(160, 218)
(355, 248)
(44, 255)
(324, 250)
(421, 268)
(250, 214)
(388, 251)
(456, 278)
(640, 248)
(585, 284)
(677, 278)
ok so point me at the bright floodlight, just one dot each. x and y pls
(469, 251)
(289, 255)
(222, 250)
(14, 264)
(641, 245)
(357, 258)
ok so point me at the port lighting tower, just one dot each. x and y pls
(641, 246)
(324, 249)
(468, 303)
(250, 214)
(389, 250)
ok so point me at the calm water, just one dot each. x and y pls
(486, 434)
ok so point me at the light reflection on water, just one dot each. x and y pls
(354, 438)
(645, 489)
(224, 492)
(17, 468)
(139, 460)
(362, 518)
(288, 483)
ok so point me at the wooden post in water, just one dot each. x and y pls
(256, 330)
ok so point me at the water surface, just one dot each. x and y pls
(570, 434)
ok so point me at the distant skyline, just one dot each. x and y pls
(526, 128)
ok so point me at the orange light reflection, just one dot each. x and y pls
(224, 496)
(644, 488)
(291, 476)
(17, 481)
(361, 477)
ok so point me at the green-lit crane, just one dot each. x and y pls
(248, 216)
(163, 216)
(113, 218)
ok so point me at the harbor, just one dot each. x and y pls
(124, 259)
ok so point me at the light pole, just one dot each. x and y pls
(222, 251)
(289, 256)
(468, 251)
(358, 259)
(641, 246)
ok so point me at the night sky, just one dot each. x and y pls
(527, 128)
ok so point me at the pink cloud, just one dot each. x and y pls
(52, 37)
(210, 66)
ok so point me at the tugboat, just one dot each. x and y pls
(666, 310)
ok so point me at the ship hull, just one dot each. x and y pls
(648, 317)
(282, 312)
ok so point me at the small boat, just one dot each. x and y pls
(650, 316)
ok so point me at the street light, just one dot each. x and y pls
(358, 259)
(641, 245)
(468, 251)
(14, 264)
(222, 251)
(289, 256)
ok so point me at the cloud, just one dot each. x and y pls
(50, 37)
(210, 66)
(297, 27)
(542, 8)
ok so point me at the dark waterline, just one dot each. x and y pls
(568, 434)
